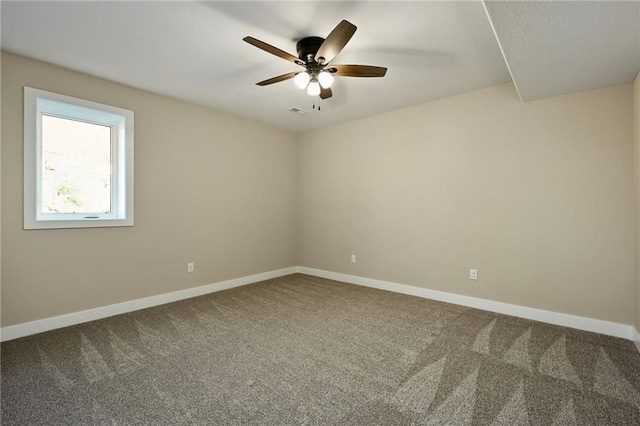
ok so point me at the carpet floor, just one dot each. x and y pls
(302, 350)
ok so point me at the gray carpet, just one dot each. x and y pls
(304, 350)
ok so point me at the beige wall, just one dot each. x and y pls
(537, 196)
(0, 192)
(209, 188)
(636, 144)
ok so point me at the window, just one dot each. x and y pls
(78, 163)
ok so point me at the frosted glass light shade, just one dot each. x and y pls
(325, 79)
(302, 79)
(313, 89)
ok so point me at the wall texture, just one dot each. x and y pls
(636, 145)
(537, 196)
(209, 188)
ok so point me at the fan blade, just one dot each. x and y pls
(335, 41)
(277, 79)
(357, 70)
(273, 50)
(325, 93)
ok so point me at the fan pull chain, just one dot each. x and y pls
(314, 104)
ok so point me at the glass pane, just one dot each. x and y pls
(76, 166)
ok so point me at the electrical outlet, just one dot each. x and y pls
(473, 274)
(353, 258)
(190, 267)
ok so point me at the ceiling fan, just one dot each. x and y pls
(315, 55)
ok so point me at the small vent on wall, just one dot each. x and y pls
(298, 111)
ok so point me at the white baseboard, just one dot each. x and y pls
(581, 323)
(566, 320)
(34, 327)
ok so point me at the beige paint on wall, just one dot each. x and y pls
(636, 144)
(209, 188)
(537, 196)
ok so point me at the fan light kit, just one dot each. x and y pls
(315, 55)
(304, 80)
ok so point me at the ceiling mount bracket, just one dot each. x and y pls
(308, 47)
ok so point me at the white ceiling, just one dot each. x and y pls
(560, 47)
(194, 50)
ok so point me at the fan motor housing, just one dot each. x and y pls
(308, 47)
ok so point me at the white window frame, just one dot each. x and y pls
(38, 103)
